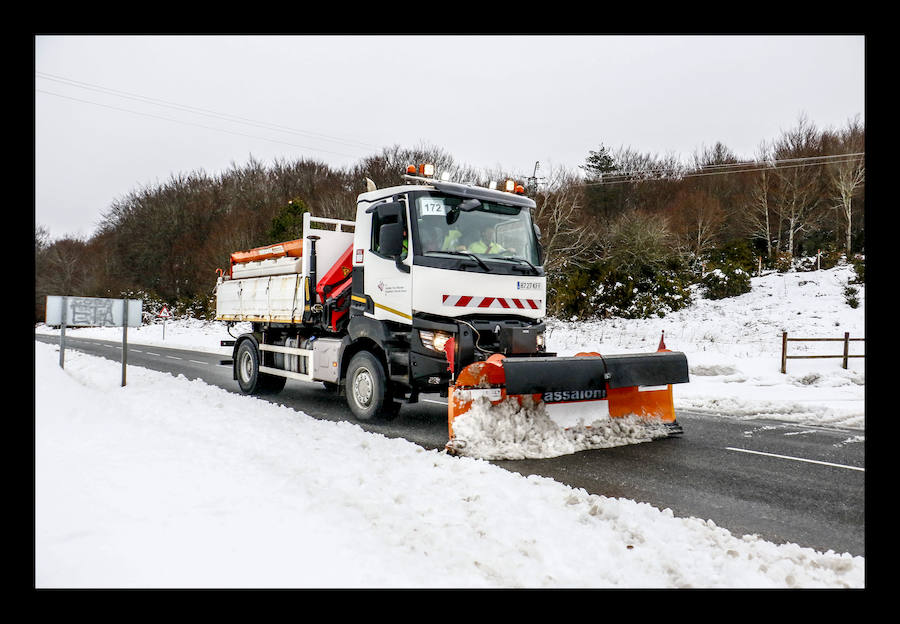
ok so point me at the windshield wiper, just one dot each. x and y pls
(469, 255)
(534, 269)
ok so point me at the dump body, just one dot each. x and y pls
(272, 284)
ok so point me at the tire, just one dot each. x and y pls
(250, 380)
(367, 390)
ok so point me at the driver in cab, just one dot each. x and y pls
(485, 244)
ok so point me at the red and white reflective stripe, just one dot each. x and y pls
(463, 301)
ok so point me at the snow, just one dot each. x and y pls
(175, 483)
(733, 347)
(523, 430)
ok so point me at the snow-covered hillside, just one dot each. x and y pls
(734, 345)
(175, 483)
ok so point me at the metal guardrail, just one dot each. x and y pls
(845, 356)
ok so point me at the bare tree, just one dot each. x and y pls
(565, 237)
(63, 267)
(697, 221)
(757, 215)
(388, 167)
(800, 181)
(847, 175)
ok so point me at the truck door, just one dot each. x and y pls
(387, 264)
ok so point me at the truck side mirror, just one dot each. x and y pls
(390, 239)
(387, 209)
(540, 249)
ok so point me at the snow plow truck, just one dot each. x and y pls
(437, 287)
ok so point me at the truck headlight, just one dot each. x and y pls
(539, 341)
(434, 340)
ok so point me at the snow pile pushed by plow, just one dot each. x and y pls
(514, 430)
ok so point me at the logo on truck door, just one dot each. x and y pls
(392, 288)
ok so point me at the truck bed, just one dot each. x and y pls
(274, 289)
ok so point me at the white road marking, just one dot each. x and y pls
(800, 459)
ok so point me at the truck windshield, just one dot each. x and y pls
(488, 231)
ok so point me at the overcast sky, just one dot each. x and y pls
(114, 113)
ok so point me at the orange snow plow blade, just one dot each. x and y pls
(505, 408)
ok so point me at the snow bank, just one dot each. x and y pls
(175, 483)
(510, 430)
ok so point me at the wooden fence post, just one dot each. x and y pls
(846, 348)
(784, 353)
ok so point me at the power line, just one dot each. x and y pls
(188, 123)
(623, 178)
(780, 160)
(752, 163)
(202, 111)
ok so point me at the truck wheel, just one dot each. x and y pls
(367, 389)
(250, 380)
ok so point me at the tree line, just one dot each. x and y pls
(622, 214)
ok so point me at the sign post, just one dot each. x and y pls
(165, 316)
(62, 334)
(124, 339)
(93, 312)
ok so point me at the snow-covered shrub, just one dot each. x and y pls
(851, 296)
(727, 281)
(200, 307)
(784, 261)
(826, 259)
(859, 268)
(602, 291)
(642, 274)
(150, 307)
(737, 253)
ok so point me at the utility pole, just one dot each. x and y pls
(534, 181)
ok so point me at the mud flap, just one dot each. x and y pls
(574, 392)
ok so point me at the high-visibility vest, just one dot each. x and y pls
(451, 240)
(481, 247)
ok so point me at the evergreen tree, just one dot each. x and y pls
(287, 224)
(603, 201)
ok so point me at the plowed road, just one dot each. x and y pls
(783, 482)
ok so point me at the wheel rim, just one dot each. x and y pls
(362, 387)
(246, 367)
